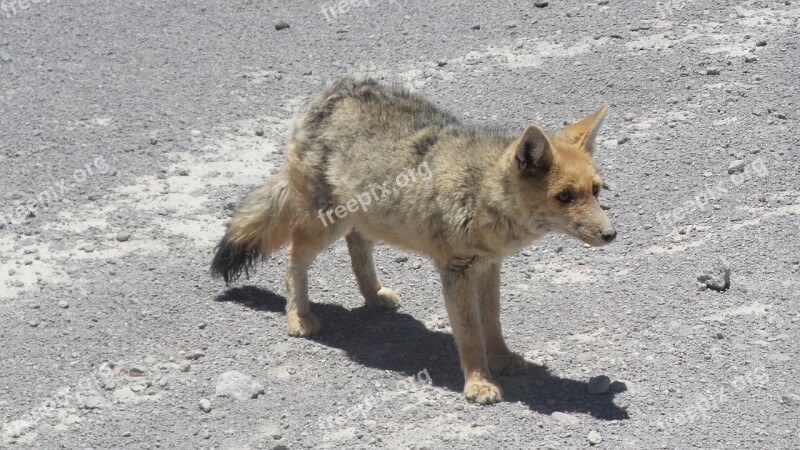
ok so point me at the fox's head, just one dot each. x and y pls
(557, 182)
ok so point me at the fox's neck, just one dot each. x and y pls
(504, 211)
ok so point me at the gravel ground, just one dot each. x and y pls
(131, 129)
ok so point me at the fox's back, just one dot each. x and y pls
(363, 118)
(358, 133)
(423, 168)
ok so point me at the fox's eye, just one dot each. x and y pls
(595, 190)
(565, 196)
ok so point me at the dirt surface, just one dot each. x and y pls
(131, 129)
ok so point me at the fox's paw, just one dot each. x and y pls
(483, 392)
(302, 325)
(384, 299)
(506, 363)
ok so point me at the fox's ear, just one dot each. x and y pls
(532, 150)
(584, 131)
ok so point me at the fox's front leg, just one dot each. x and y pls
(501, 359)
(461, 299)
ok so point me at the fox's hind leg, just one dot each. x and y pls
(304, 247)
(375, 295)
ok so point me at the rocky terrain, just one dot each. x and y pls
(130, 130)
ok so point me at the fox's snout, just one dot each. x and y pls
(592, 225)
(607, 230)
(601, 226)
(594, 235)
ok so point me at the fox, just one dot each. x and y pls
(375, 162)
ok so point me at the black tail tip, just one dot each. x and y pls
(231, 260)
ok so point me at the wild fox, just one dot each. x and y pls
(463, 196)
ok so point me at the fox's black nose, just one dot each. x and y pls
(609, 235)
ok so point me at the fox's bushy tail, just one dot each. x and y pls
(260, 225)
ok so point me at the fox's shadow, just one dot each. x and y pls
(396, 341)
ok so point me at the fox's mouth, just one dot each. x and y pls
(595, 239)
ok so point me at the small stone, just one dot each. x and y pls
(259, 132)
(11, 272)
(202, 325)
(63, 304)
(629, 117)
(712, 71)
(239, 386)
(540, 3)
(736, 167)
(599, 385)
(153, 141)
(416, 265)
(623, 139)
(476, 27)
(565, 419)
(183, 172)
(17, 428)
(441, 63)
(33, 323)
(18, 284)
(717, 276)
(205, 405)
(401, 259)
(617, 387)
(93, 402)
(195, 355)
(779, 357)
(123, 236)
(718, 335)
(5, 57)
(88, 248)
(277, 436)
(136, 370)
(761, 43)
(750, 58)
(594, 437)
(791, 399)
(281, 25)
(437, 323)
(185, 366)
